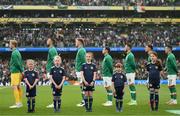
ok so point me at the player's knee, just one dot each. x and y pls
(55, 97)
(18, 87)
(14, 87)
(156, 90)
(156, 93)
(86, 93)
(90, 93)
(108, 88)
(151, 90)
(131, 84)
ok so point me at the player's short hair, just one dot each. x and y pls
(80, 40)
(14, 42)
(30, 60)
(154, 53)
(57, 57)
(90, 54)
(118, 65)
(52, 40)
(170, 47)
(129, 45)
(108, 49)
(150, 46)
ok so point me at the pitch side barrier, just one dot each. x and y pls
(92, 49)
(137, 82)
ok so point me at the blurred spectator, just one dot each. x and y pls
(95, 36)
(91, 2)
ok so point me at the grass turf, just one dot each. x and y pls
(71, 96)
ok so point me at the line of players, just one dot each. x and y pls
(113, 81)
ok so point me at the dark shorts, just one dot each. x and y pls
(57, 92)
(88, 88)
(119, 92)
(30, 92)
(154, 85)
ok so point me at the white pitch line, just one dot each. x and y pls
(173, 111)
(3, 88)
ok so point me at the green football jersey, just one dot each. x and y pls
(130, 65)
(80, 59)
(51, 54)
(16, 65)
(171, 65)
(107, 66)
(149, 59)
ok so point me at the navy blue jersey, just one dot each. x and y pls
(57, 74)
(154, 72)
(119, 79)
(31, 76)
(88, 70)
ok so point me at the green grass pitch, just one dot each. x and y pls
(71, 96)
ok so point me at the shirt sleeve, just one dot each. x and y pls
(51, 71)
(24, 74)
(82, 55)
(125, 79)
(147, 67)
(82, 68)
(132, 61)
(160, 67)
(173, 63)
(17, 61)
(53, 53)
(109, 64)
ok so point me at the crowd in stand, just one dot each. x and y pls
(113, 36)
(90, 2)
(68, 65)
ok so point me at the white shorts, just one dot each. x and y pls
(48, 75)
(171, 80)
(78, 75)
(130, 78)
(107, 81)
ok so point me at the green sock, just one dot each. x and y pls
(174, 93)
(171, 92)
(109, 95)
(133, 92)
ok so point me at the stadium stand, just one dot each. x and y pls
(91, 2)
(95, 36)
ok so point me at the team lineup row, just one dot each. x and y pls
(113, 81)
